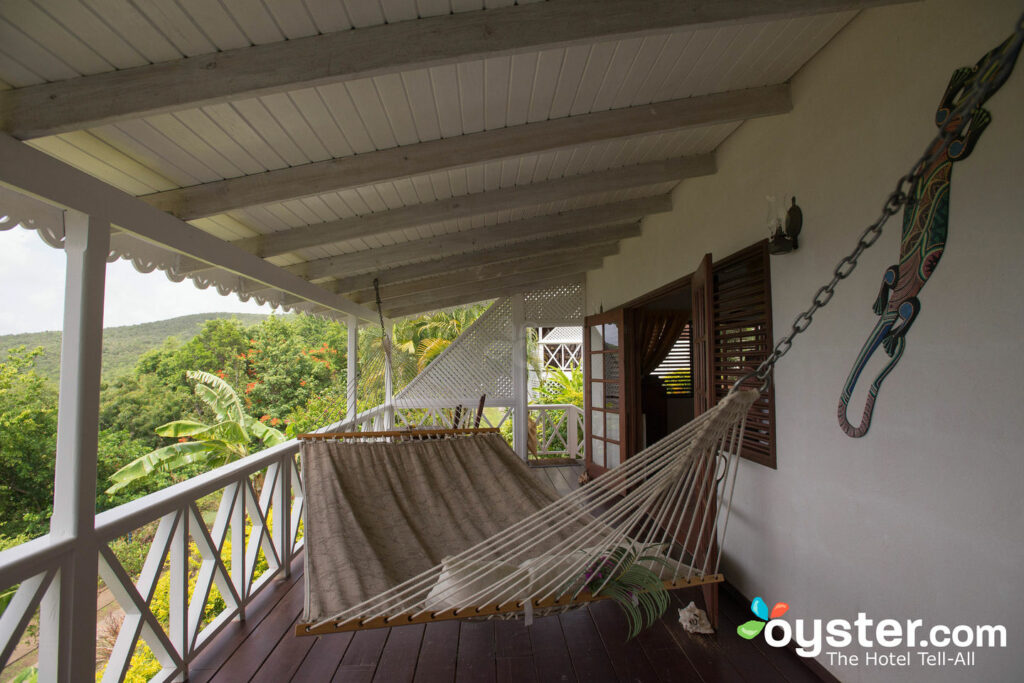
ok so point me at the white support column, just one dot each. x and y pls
(67, 634)
(520, 393)
(389, 382)
(352, 365)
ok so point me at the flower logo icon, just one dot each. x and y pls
(759, 607)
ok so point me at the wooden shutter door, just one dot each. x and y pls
(742, 324)
(702, 295)
(702, 328)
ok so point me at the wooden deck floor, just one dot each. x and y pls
(588, 644)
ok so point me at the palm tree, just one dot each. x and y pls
(214, 445)
(428, 336)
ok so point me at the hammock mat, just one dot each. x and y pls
(380, 513)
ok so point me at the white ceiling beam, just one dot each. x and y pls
(49, 179)
(207, 199)
(90, 101)
(475, 294)
(370, 260)
(574, 260)
(572, 241)
(468, 206)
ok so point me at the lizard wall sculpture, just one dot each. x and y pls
(926, 218)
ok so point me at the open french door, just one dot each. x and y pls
(609, 390)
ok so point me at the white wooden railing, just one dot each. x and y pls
(559, 430)
(259, 508)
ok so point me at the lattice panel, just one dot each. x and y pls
(478, 362)
(553, 306)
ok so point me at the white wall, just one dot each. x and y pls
(923, 517)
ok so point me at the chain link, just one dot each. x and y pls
(905, 189)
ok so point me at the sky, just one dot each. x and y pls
(32, 282)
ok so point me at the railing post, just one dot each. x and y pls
(238, 570)
(67, 641)
(282, 514)
(520, 397)
(389, 384)
(352, 371)
(178, 593)
(572, 433)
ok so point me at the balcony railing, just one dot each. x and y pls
(259, 503)
(213, 535)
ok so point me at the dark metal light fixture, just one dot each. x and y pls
(784, 239)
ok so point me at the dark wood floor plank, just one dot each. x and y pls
(475, 662)
(354, 673)
(745, 657)
(251, 653)
(628, 658)
(516, 670)
(285, 658)
(704, 652)
(213, 656)
(323, 658)
(512, 639)
(398, 661)
(364, 650)
(589, 658)
(438, 653)
(550, 655)
(786, 662)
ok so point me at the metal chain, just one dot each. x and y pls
(905, 188)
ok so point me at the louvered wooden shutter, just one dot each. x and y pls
(743, 338)
(676, 371)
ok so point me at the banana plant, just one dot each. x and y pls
(213, 445)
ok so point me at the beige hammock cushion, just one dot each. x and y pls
(380, 513)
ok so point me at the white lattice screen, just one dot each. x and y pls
(555, 306)
(480, 360)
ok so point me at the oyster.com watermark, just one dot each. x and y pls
(889, 642)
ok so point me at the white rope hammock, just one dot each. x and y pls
(671, 500)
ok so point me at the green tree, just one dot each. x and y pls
(559, 387)
(198, 443)
(288, 362)
(28, 436)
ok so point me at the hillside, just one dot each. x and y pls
(122, 346)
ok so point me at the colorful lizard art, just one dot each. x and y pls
(926, 218)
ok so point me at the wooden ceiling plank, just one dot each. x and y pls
(219, 196)
(573, 260)
(575, 241)
(473, 295)
(465, 206)
(371, 260)
(90, 101)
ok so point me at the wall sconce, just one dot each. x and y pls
(783, 240)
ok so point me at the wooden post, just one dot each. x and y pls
(352, 365)
(282, 505)
(67, 634)
(520, 397)
(389, 381)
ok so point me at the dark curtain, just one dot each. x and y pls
(657, 332)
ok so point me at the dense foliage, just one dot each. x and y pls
(288, 372)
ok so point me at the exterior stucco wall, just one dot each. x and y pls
(922, 518)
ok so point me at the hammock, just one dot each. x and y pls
(666, 501)
(414, 527)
